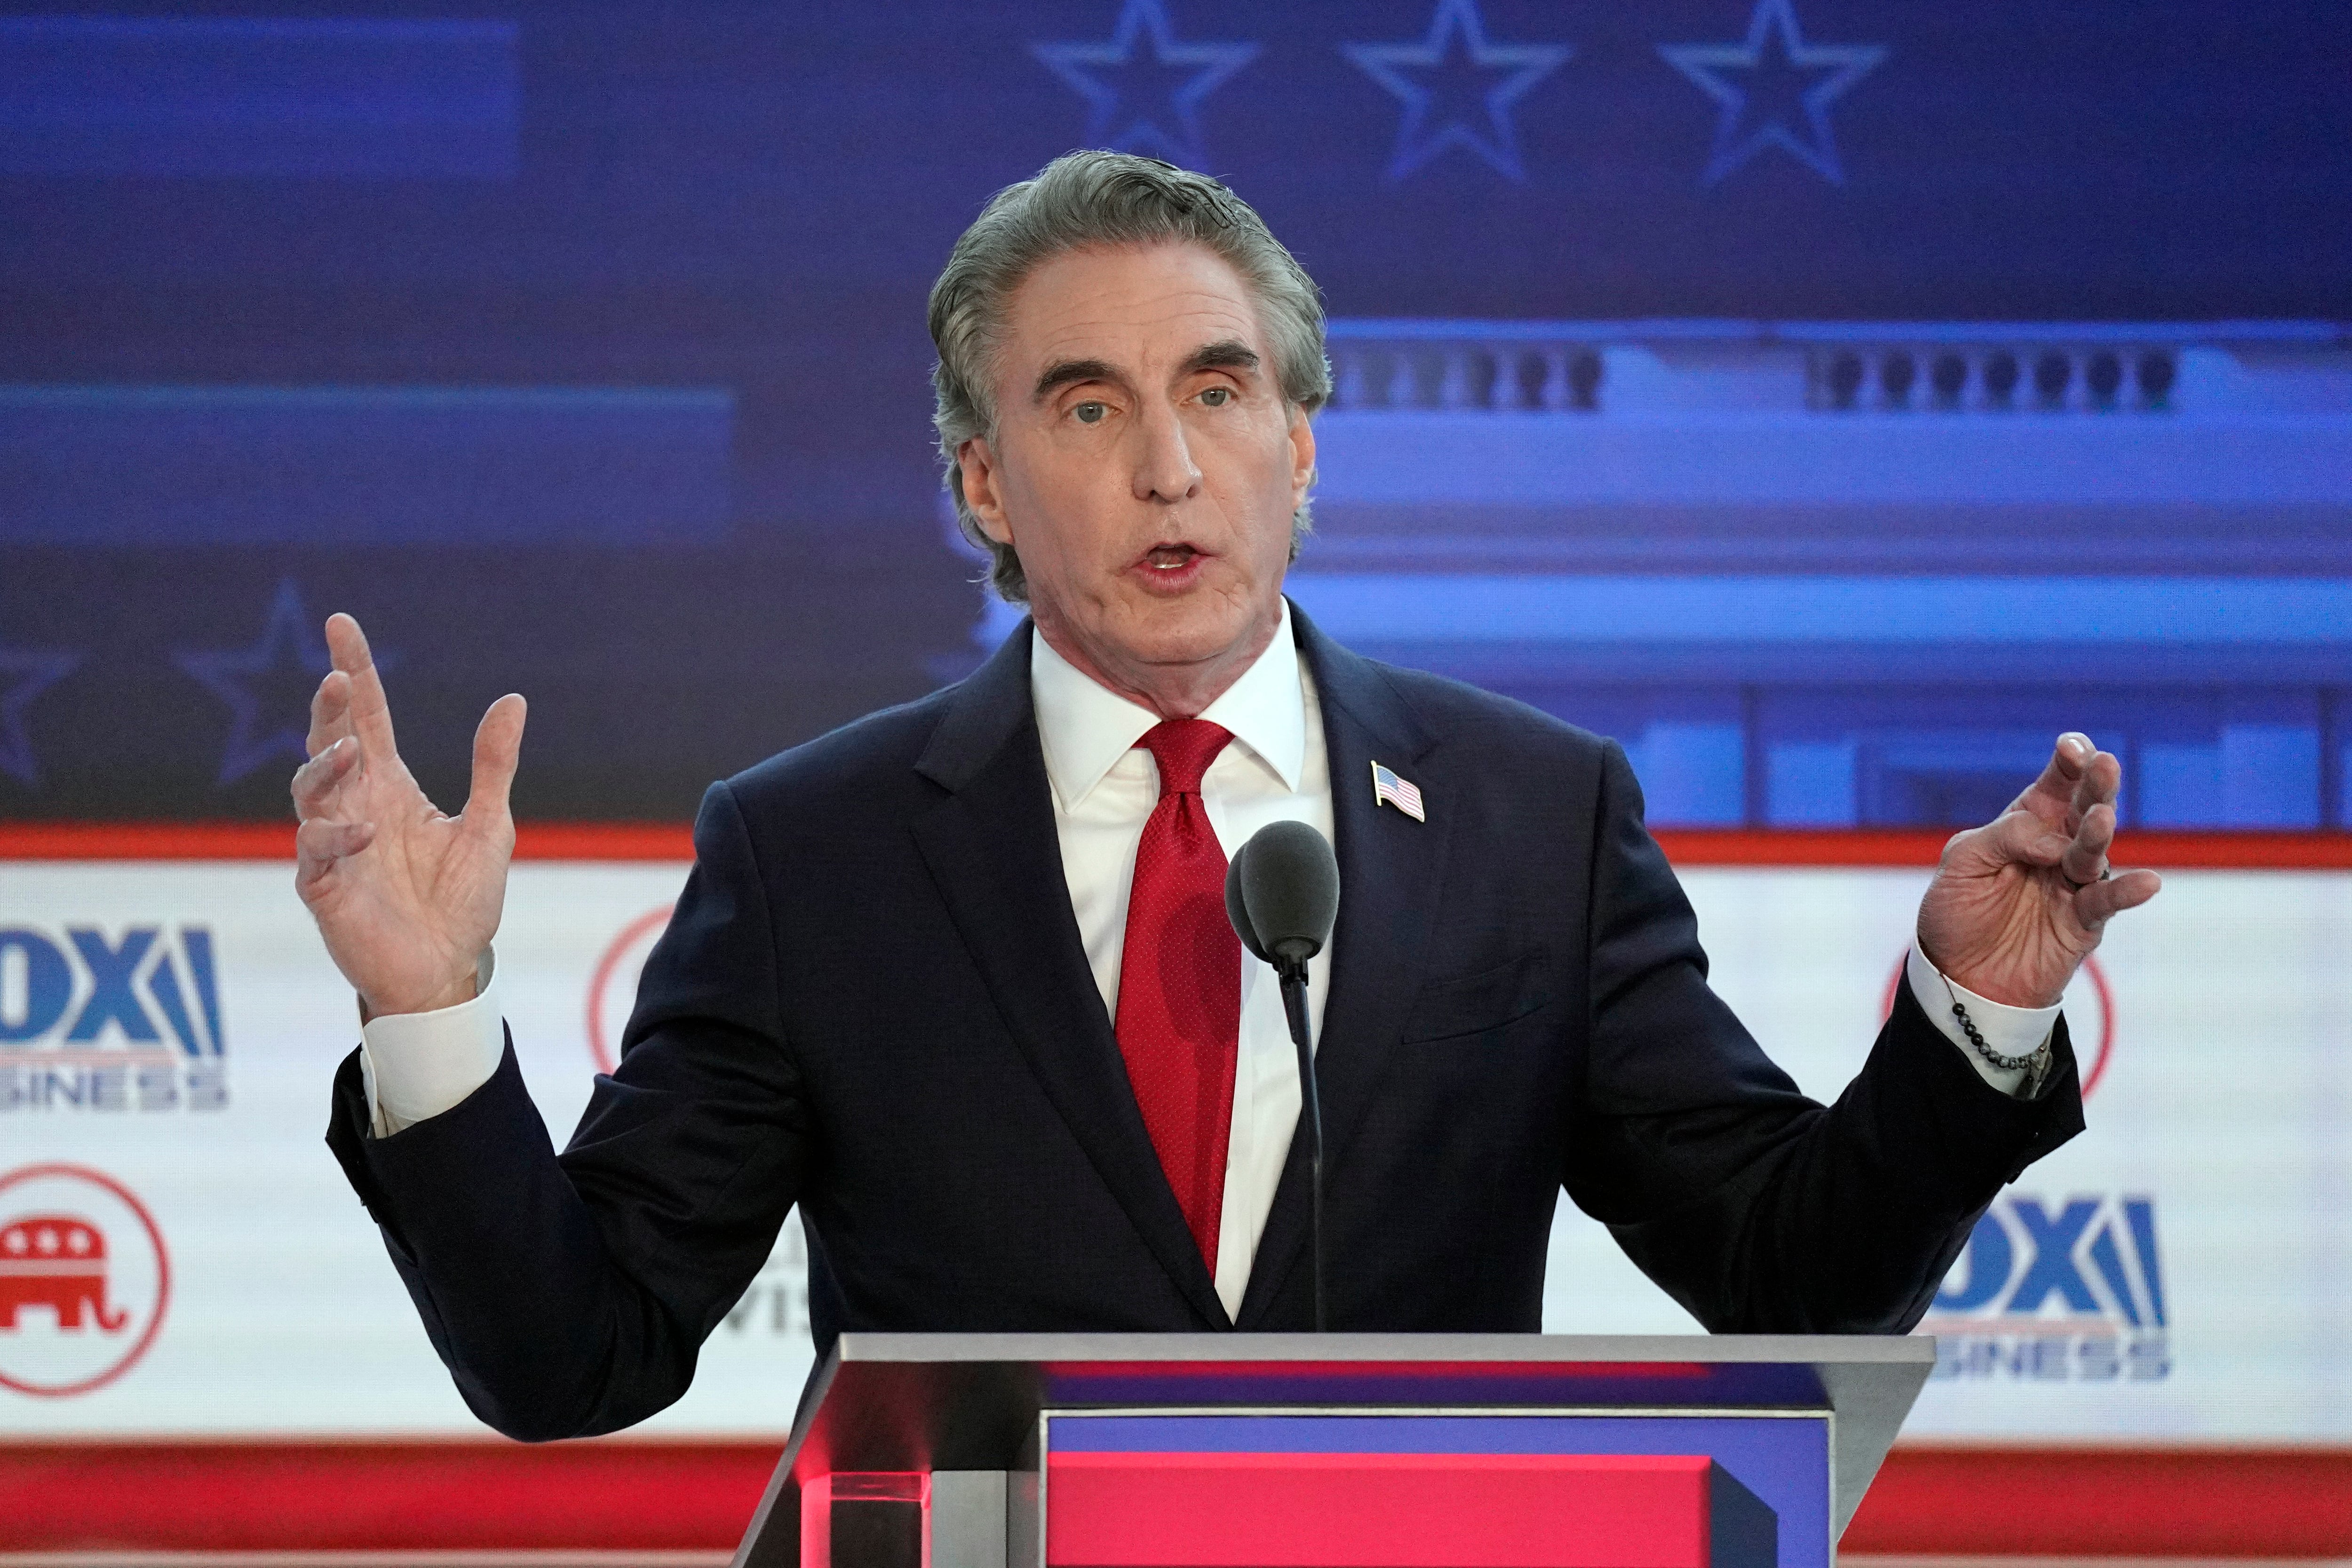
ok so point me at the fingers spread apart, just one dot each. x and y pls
(2100, 902)
(497, 749)
(2085, 859)
(330, 712)
(370, 714)
(2102, 781)
(319, 844)
(2019, 836)
(2078, 777)
(2068, 759)
(316, 781)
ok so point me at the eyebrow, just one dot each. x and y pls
(1229, 353)
(1068, 372)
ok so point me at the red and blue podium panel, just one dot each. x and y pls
(1381, 1451)
(1436, 1491)
(1401, 1385)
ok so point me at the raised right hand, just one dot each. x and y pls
(407, 898)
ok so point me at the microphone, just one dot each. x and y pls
(1282, 895)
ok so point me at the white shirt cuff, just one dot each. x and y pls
(2011, 1031)
(418, 1065)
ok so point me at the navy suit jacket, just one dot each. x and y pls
(872, 1001)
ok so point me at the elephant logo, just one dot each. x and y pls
(57, 1261)
(84, 1280)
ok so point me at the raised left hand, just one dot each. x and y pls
(2019, 903)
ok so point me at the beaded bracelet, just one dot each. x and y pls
(2006, 1064)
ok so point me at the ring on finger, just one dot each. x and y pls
(2106, 874)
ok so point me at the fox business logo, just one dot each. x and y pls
(93, 1021)
(2072, 1293)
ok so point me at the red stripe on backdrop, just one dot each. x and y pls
(379, 1496)
(1913, 847)
(275, 841)
(675, 841)
(1970, 1501)
(624, 1495)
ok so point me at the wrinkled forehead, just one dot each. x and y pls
(1143, 308)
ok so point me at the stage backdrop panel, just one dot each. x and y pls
(179, 1252)
(578, 348)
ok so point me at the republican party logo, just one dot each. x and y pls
(613, 989)
(84, 1280)
(2051, 1291)
(99, 1019)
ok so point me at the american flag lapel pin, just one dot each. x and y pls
(1405, 796)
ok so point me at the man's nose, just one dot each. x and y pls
(1164, 469)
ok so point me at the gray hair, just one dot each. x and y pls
(1091, 198)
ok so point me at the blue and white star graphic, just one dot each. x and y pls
(268, 686)
(1457, 88)
(25, 674)
(1785, 80)
(1143, 89)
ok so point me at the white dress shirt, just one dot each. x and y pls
(1104, 786)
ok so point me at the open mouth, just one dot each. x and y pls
(1170, 558)
(1170, 570)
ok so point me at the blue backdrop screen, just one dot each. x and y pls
(1830, 398)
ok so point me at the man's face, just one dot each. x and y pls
(1144, 465)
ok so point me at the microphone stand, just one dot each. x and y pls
(1293, 971)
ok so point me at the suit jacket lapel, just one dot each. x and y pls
(996, 858)
(1390, 868)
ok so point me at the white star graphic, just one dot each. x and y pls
(1147, 99)
(1467, 76)
(1780, 64)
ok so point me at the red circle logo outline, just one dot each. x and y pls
(598, 1045)
(162, 1277)
(2091, 966)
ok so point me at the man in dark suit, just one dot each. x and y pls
(955, 978)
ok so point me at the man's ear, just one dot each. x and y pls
(1302, 456)
(977, 466)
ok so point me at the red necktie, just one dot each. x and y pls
(1180, 982)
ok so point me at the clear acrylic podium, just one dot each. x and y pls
(1334, 1451)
